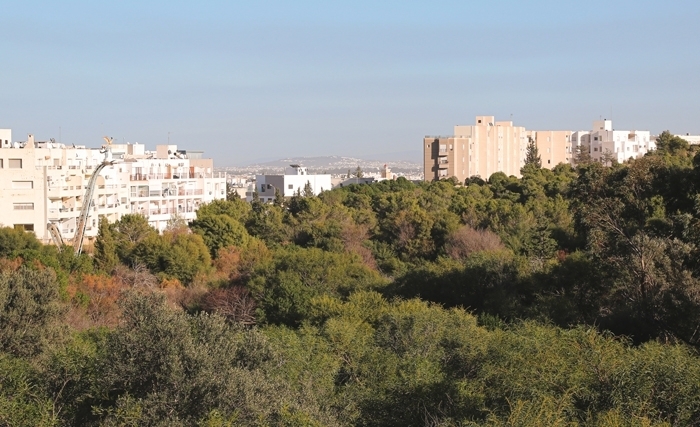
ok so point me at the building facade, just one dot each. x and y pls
(489, 146)
(554, 146)
(45, 182)
(605, 144)
(481, 149)
(294, 180)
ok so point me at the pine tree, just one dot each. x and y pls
(279, 199)
(105, 247)
(532, 157)
(308, 190)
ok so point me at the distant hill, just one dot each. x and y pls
(332, 164)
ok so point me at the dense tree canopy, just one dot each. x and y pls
(569, 296)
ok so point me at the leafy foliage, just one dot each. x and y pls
(569, 297)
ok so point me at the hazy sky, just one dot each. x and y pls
(269, 79)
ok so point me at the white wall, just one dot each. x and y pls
(5, 137)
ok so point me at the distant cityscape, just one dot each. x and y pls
(45, 185)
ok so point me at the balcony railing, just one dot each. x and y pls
(174, 193)
(163, 211)
(183, 175)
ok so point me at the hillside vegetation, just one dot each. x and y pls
(567, 297)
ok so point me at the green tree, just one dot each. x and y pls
(219, 231)
(308, 191)
(279, 198)
(285, 286)
(23, 402)
(30, 311)
(176, 255)
(164, 367)
(130, 230)
(358, 172)
(237, 209)
(12, 240)
(266, 221)
(667, 142)
(532, 154)
(106, 258)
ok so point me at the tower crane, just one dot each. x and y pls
(87, 204)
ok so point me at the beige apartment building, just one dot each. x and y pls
(45, 182)
(481, 149)
(554, 146)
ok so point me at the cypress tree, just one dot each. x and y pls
(532, 156)
(105, 247)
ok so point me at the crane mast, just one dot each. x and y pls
(87, 205)
(85, 211)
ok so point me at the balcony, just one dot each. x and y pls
(154, 176)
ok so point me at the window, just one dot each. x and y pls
(24, 227)
(15, 163)
(290, 187)
(1, 166)
(22, 185)
(23, 206)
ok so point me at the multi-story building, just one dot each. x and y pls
(489, 146)
(45, 182)
(5, 137)
(604, 144)
(553, 146)
(481, 149)
(294, 180)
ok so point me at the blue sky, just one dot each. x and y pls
(269, 79)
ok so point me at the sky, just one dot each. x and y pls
(252, 80)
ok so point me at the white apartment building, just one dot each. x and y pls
(45, 182)
(5, 137)
(604, 143)
(294, 180)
